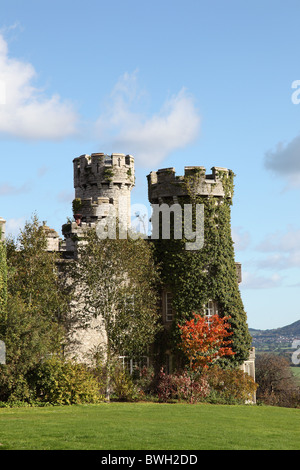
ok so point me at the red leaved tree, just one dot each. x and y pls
(203, 341)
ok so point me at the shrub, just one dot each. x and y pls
(123, 388)
(187, 386)
(230, 385)
(61, 382)
(13, 385)
(144, 380)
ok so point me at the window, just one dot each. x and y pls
(169, 307)
(210, 309)
(127, 160)
(131, 365)
(169, 363)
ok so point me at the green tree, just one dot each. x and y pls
(36, 304)
(277, 384)
(116, 283)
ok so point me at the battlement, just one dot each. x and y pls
(98, 171)
(52, 238)
(89, 210)
(165, 184)
(100, 179)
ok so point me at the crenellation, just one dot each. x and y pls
(100, 175)
(164, 182)
(52, 238)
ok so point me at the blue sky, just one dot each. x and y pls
(174, 84)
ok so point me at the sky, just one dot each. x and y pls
(173, 83)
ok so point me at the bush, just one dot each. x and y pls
(144, 380)
(123, 388)
(13, 385)
(230, 385)
(187, 386)
(61, 382)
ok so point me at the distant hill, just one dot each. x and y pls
(290, 330)
(278, 340)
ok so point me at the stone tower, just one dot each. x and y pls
(202, 280)
(103, 179)
(102, 183)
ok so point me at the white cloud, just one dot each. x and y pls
(283, 249)
(285, 160)
(25, 111)
(257, 281)
(13, 226)
(149, 138)
(7, 189)
(28, 112)
(241, 238)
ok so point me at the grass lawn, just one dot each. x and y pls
(149, 426)
(296, 373)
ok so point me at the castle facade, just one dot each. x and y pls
(103, 185)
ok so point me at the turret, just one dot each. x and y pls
(164, 184)
(102, 183)
(100, 179)
(202, 277)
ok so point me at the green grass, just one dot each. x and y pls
(150, 426)
(296, 373)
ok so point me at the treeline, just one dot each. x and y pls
(38, 291)
(44, 298)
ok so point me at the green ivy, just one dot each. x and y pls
(108, 174)
(77, 205)
(195, 277)
(3, 281)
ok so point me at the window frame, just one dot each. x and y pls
(169, 311)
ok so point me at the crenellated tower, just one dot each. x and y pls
(101, 179)
(165, 186)
(201, 280)
(102, 182)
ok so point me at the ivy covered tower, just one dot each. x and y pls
(205, 280)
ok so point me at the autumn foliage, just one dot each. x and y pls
(203, 341)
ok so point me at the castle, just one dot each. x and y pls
(103, 183)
